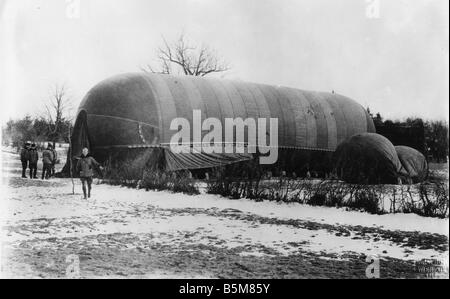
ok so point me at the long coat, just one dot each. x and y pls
(47, 156)
(24, 155)
(33, 156)
(85, 166)
(55, 156)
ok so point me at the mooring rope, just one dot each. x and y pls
(125, 119)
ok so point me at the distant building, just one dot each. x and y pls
(401, 134)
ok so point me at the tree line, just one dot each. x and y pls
(54, 124)
(35, 129)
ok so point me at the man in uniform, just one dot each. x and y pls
(55, 159)
(25, 157)
(34, 157)
(47, 160)
(85, 168)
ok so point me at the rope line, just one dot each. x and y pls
(167, 145)
(125, 119)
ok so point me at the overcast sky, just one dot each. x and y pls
(395, 61)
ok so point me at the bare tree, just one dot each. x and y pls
(57, 112)
(191, 60)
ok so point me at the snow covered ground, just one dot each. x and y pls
(122, 232)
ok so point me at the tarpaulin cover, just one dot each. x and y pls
(367, 158)
(81, 139)
(414, 164)
(175, 161)
(136, 109)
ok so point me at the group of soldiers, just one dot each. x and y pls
(85, 166)
(29, 157)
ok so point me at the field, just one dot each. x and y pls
(129, 233)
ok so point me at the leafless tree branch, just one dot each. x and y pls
(57, 110)
(192, 60)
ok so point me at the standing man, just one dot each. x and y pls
(24, 158)
(55, 159)
(85, 167)
(47, 160)
(34, 157)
